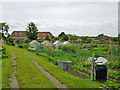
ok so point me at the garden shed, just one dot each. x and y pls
(34, 45)
(66, 43)
(57, 44)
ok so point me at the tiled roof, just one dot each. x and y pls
(22, 34)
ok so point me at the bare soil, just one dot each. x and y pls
(75, 73)
(13, 81)
(41, 55)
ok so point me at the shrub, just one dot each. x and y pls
(26, 45)
(69, 48)
(20, 45)
(93, 45)
(4, 54)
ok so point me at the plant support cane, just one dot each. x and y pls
(92, 68)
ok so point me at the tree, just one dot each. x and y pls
(47, 38)
(61, 35)
(73, 38)
(4, 30)
(32, 31)
(100, 35)
(56, 38)
(65, 38)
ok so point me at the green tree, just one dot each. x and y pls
(32, 31)
(65, 38)
(62, 34)
(56, 38)
(47, 38)
(4, 30)
(73, 38)
(100, 35)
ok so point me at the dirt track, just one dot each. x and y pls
(13, 81)
(49, 76)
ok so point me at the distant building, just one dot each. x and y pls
(20, 35)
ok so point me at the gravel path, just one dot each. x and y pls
(50, 77)
(13, 81)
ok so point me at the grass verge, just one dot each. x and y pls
(6, 69)
(64, 77)
(27, 74)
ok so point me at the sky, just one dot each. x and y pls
(80, 18)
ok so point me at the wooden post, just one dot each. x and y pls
(92, 68)
(110, 49)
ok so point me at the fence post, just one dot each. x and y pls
(92, 68)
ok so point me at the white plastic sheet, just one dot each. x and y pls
(101, 61)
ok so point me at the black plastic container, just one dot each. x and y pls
(101, 72)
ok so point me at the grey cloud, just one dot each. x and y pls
(75, 18)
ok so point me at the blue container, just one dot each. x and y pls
(41, 47)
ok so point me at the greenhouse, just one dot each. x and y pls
(66, 43)
(46, 44)
(34, 45)
(57, 44)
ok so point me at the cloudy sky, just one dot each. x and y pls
(80, 18)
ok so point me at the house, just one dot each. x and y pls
(20, 35)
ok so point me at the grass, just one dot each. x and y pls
(0, 73)
(6, 69)
(64, 77)
(27, 74)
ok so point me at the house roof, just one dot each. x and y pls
(23, 33)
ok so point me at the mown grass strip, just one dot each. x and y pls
(27, 73)
(64, 77)
(6, 69)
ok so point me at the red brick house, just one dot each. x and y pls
(20, 35)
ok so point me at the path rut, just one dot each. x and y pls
(57, 83)
(13, 81)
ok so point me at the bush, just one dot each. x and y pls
(69, 48)
(93, 45)
(26, 45)
(20, 45)
(4, 54)
(54, 60)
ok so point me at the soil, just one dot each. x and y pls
(85, 72)
(75, 73)
(13, 81)
(41, 55)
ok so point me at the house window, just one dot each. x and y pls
(48, 34)
(43, 34)
(43, 37)
(15, 33)
(20, 33)
(38, 33)
(20, 37)
(38, 37)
